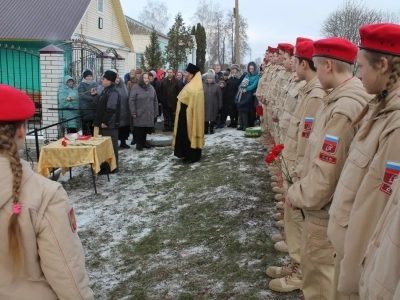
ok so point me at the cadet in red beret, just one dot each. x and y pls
(310, 98)
(42, 256)
(327, 149)
(367, 187)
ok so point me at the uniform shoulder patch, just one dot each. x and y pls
(72, 220)
(327, 158)
(330, 144)
(308, 123)
(392, 170)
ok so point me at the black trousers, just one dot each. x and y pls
(169, 117)
(209, 127)
(113, 133)
(141, 135)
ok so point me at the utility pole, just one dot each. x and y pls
(237, 36)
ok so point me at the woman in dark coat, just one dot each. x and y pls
(86, 105)
(232, 87)
(125, 116)
(143, 106)
(212, 103)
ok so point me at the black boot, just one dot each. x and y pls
(212, 126)
(206, 125)
(144, 141)
(124, 145)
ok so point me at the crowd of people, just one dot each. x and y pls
(333, 159)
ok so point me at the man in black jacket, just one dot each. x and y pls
(108, 106)
(170, 88)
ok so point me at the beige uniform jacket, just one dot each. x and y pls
(262, 83)
(310, 99)
(327, 148)
(381, 272)
(290, 95)
(53, 254)
(363, 191)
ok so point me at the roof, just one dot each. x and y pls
(40, 19)
(135, 27)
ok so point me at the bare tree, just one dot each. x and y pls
(155, 14)
(220, 30)
(350, 16)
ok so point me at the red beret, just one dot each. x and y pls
(305, 50)
(336, 48)
(302, 39)
(272, 49)
(286, 48)
(15, 105)
(383, 37)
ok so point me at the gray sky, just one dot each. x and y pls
(270, 22)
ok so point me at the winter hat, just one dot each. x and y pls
(153, 73)
(210, 76)
(87, 73)
(192, 69)
(110, 75)
(226, 73)
(15, 105)
(237, 67)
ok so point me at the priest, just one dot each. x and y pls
(188, 139)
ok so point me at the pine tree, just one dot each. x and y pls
(179, 44)
(153, 57)
(201, 43)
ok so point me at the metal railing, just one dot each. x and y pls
(61, 131)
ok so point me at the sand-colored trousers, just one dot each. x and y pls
(293, 229)
(317, 259)
(335, 294)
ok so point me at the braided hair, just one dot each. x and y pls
(374, 59)
(9, 147)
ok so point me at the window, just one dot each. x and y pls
(139, 60)
(100, 6)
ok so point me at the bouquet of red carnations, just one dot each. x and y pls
(275, 157)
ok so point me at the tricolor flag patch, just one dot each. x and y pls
(330, 144)
(308, 123)
(392, 171)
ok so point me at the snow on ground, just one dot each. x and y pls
(147, 197)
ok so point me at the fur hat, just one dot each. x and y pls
(237, 67)
(110, 75)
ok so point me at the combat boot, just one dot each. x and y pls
(278, 237)
(281, 247)
(279, 272)
(288, 283)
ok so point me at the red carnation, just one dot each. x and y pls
(278, 149)
(64, 143)
(270, 157)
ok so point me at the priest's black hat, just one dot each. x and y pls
(192, 69)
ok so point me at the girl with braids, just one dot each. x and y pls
(41, 256)
(372, 164)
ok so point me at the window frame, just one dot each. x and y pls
(102, 6)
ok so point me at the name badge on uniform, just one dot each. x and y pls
(330, 144)
(392, 171)
(72, 220)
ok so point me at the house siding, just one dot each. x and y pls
(111, 31)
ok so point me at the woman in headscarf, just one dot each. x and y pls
(86, 89)
(143, 106)
(134, 78)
